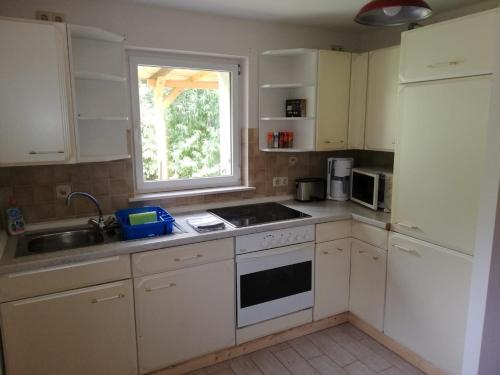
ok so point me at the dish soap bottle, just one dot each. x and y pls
(15, 220)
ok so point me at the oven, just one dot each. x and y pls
(274, 281)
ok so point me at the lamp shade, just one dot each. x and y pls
(393, 12)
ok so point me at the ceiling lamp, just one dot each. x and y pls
(393, 12)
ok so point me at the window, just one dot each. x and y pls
(186, 122)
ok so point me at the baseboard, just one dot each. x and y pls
(292, 333)
(393, 345)
(254, 345)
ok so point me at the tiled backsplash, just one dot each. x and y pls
(112, 182)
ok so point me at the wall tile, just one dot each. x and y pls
(112, 182)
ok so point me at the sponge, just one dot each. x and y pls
(142, 218)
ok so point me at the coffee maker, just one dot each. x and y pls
(339, 178)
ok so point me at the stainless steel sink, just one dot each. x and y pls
(46, 242)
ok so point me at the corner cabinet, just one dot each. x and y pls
(35, 94)
(320, 77)
(78, 332)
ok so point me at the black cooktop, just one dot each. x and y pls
(260, 213)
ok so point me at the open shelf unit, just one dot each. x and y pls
(287, 74)
(100, 91)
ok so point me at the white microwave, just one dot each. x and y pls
(372, 188)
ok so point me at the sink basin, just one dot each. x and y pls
(47, 242)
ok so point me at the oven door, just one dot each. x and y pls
(275, 282)
(364, 188)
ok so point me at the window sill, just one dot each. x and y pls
(188, 193)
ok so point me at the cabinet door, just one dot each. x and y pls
(438, 164)
(382, 99)
(427, 300)
(184, 314)
(367, 284)
(357, 102)
(331, 294)
(332, 115)
(83, 331)
(457, 48)
(34, 94)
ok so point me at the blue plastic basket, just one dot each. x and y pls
(164, 225)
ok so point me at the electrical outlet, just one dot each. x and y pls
(280, 181)
(62, 191)
(45, 15)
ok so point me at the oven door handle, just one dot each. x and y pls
(277, 251)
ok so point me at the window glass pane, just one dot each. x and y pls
(185, 123)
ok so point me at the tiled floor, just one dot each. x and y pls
(341, 350)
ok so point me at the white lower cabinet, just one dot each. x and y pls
(427, 300)
(367, 283)
(185, 313)
(332, 278)
(82, 331)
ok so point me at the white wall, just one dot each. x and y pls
(391, 36)
(163, 28)
(482, 342)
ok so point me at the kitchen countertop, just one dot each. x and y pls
(320, 212)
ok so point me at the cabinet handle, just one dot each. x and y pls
(374, 258)
(409, 226)
(406, 249)
(188, 257)
(45, 152)
(97, 300)
(334, 142)
(159, 287)
(339, 249)
(326, 252)
(361, 251)
(445, 63)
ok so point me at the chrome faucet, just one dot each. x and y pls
(100, 223)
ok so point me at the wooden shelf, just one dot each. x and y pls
(99, 77)
(102, 118)
(287, 118)
(95, 33)
(289, 52)
(286, 150)
(285, 85)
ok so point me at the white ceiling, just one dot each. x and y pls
(336, 14)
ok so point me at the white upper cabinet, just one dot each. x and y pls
(439, 157)
(334, 71)
(427, 299)
(457, 48)
(35, 100)
(357, 102)
(382, 99)
(322, 79)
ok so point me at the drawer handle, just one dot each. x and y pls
(361, 251)
(339, 249)
(159, 287)
(45, 152)
(326, 252)
(97, 300)
(409, 226)
(375, 258)
(329, 142)
(406, 249)
(196, 256)
(446, 63)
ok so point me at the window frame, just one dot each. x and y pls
(191, 62)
